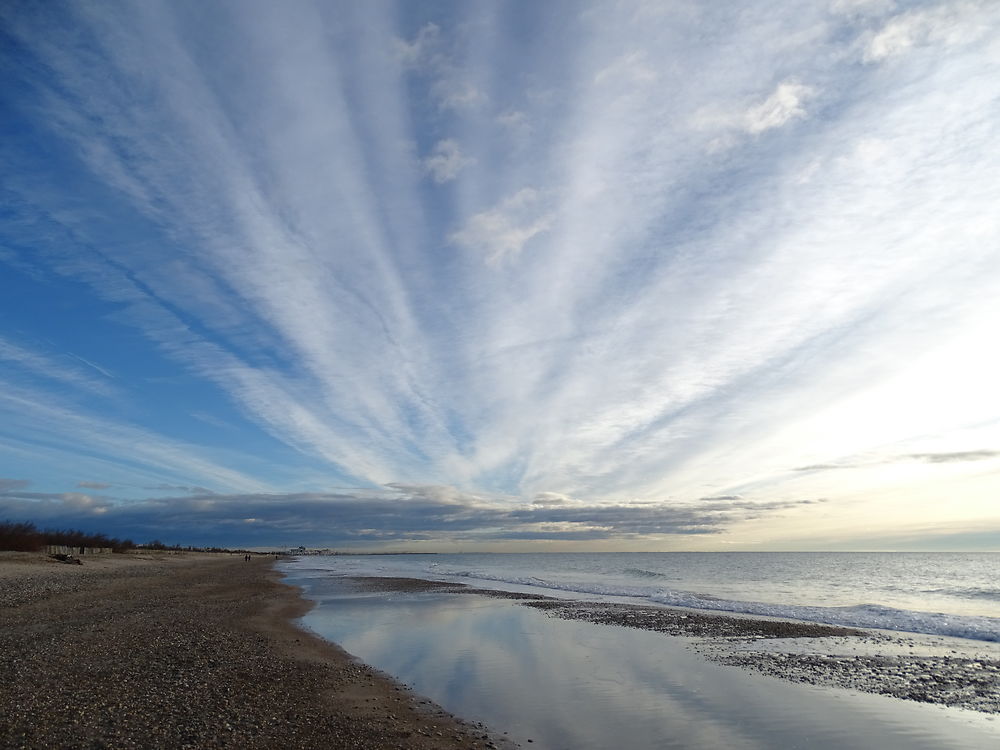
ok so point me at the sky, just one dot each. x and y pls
(511, 275)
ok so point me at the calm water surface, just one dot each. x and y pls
(568, 684)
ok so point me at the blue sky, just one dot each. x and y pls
(611, 275)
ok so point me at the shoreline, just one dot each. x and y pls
(196, 650)
(940, 670)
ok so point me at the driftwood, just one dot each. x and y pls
(67, 559)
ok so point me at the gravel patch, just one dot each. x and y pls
(943, 680)
(192, 655)
(54, 583)
(959, 681)
(680, 622)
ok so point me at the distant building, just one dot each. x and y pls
(305, 551)
(62, 549)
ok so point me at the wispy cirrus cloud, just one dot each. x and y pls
(677, 253)
(8, 484)
(182, 488)
(37, 422)
(782, 107)
(787, 103)
(948, 457)
(428, 54)
(955, 456)
(446, 161)
(949, 23)
(631, 68)
(503, 231)
(56, 369)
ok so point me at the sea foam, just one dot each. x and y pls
(812, 587)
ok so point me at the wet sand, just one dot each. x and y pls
(188, 651)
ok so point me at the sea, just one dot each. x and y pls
(938, 593)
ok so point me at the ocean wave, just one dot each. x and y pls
(648, 586)
(974, 627)
(640, 573)
(992, 595)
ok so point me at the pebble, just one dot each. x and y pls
(943, 680)
(190, 655)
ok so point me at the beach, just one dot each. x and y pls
(188, 651)
(210, 651)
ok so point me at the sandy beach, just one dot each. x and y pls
(188, 651)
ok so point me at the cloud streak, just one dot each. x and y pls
(503, 231)
(632, 254)
(395, 514)
(446, 161)
(930, 458)
(787, 103)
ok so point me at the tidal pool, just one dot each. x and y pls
(568, 684)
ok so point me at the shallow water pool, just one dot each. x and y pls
(568, 684)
